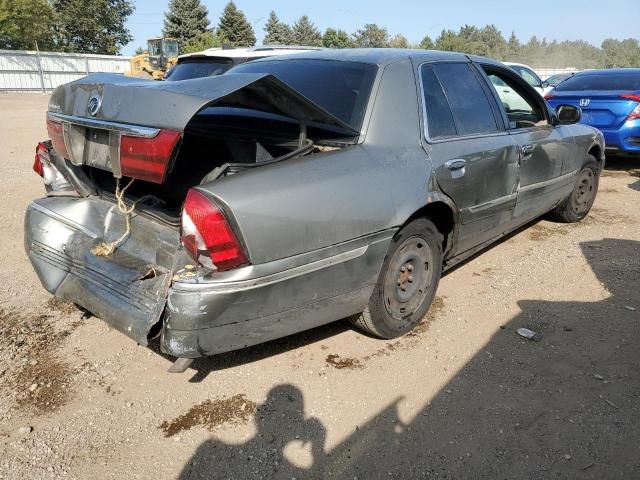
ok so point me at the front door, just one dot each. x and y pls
(543, 147)
(475, 160)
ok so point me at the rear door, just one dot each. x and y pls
(474, 159)
(544, 149)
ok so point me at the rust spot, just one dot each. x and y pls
(211, 414)
(344, 363)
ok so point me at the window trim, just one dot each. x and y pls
(513, 75)
(423, 110)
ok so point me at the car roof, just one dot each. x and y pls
(251, 52)
(610, 71)
(376, 56)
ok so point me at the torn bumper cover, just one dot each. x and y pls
(127, 290)
(197, 317)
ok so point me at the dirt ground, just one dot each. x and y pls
(462, 397)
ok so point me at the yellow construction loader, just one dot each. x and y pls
(161, 54)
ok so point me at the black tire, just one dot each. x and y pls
(407, 283)
(578, 204)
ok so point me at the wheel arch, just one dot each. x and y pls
(596, 151)
(441, 210)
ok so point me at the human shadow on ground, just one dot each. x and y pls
(565, 407)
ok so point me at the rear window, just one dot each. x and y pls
(529, 75)
(601, 81)
(440, 122)
(469, 103)
(198, 68)
(341, 88)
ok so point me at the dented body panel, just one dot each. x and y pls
(316, 227)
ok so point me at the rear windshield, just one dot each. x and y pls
(601, 81)
(341, 88)
(198, 68)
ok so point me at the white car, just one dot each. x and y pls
(216, 61)
(528, 74)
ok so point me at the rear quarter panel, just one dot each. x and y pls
(324, 199)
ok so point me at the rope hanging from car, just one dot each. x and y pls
(104, 249)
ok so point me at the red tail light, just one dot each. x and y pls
(57, 137)
(38, 166)
(635, 114)
(631, 96)
(207, 235)
(549, 96)
(147, 158)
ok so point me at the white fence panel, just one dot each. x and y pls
(43, 71)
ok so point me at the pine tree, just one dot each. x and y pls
(371, 36)
(426, 43)
(305, 33)
(185, 21)
(277, 32)
(234, 27)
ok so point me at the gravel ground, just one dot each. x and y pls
(462, 396)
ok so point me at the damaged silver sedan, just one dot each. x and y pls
(223, 212)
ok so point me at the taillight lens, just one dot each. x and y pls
(41, 151)
(147, 158)
(207, 235)
(549, 96)
(635, 113)
(631, 96)
(56, 135)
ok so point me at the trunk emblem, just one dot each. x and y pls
(94, 105)
(584, 102)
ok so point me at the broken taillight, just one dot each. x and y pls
(207, 235)
(41, 151)
(147, 158)
(56, 134)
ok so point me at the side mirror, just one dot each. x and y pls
(545, 84)
(568, 114)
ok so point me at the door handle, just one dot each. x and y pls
(455, 164)
(527, 150)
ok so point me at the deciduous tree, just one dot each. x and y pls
(92, 26)
(25, 22)
(371, 36)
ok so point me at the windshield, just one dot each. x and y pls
(198, 68)
(341, 88)
(601, 81)
(171, 48)
(529, 75)
(154, 47)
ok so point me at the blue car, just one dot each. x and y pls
(610, 101)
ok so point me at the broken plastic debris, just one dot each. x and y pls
(529, 334)
(630, 308)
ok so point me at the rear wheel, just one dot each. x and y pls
(578, 204)
(407, 282)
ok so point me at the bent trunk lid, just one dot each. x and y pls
(170, 105)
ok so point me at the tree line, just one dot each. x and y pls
(99, 26)
(85, 26)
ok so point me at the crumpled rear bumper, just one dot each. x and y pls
(196, 316)
(120, 289)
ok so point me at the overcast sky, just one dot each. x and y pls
(554, 19)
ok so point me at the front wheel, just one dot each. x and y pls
(407, 283)
(579, 203)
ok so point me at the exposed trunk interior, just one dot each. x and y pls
(221, 141)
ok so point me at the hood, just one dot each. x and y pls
(170, 105)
